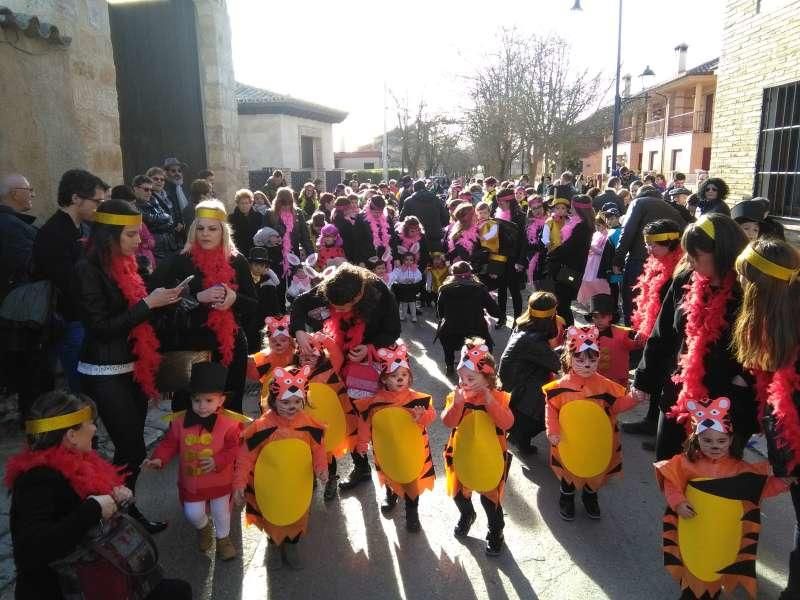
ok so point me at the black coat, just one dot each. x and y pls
(245, 227)
(642, 211)
(17, 235)
(301, 238)
(382, 326)
(608, 196)
(526, 365)
(432, 212)
(460, 309)
(356, 238)
(106, 316)
(56, 251)
(668, 339)
(47, 521)
(573, 253)
(171, 272)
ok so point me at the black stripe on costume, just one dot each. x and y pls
(429, 473)
(671, 560)
(668, 542)
(422, 402)
(315, 432)
(259, 436)
(751, 549)
(746, 568)
(474, 406)
(605, 397)
(264, 368)
(557, 392)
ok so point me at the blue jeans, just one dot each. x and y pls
(67, 350)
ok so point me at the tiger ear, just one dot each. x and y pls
(691, 405)
(279, 372)
(724, 403)
(305, 371)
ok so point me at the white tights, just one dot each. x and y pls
(220, 513)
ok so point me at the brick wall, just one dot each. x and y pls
(759, 50)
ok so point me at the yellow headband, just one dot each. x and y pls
(563, 201)
(211, 213)
(59, 422)
(706, 225)
(112, 219)
(662, 237)
(541, 314)
(767, 266)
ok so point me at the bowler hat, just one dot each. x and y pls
(755, 210)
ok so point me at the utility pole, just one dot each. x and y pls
(385, 152)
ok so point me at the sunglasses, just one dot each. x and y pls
(711, 188)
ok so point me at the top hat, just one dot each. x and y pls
(208, 377)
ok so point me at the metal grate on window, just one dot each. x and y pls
(778, 160)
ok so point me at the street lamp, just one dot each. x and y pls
(617, 99)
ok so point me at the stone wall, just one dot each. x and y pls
(219, 104)
(59, 104)
(759, 50)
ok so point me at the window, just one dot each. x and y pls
(369, 165)
(673, 163)
(778, 159)
(652, 160)
(306, 152)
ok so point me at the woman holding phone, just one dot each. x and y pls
(120, 355)
(214, 273)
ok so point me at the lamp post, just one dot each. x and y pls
(617, 99)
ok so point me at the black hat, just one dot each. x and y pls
(602, 303)
(755, 210)
(610, 208)
(258, 254)
(208, 377)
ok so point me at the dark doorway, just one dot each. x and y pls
(158, 85)
(306, 152)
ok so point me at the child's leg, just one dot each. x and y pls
(331, 485)
(590, 503)
(221, 514)
(402, 307)
(467, 517)
(412, 515)
(290, 554)
(195, 513)
(566, 501)
(390, 502)
(497, 522)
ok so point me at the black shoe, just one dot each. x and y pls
(389, 503)
(412, 520)
(566, 506)
(494, 543)
(649, 445)
(788, 594)
(450, 371)
(152, 527)
(590, 504)
(643, 427)
(525, 448)
(464, 524)
(331, 488)
(357, 476)
(500, 324)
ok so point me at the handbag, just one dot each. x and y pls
(118, 559)
(28, 304)
(363, 377)
(569, 277)
(175, 371)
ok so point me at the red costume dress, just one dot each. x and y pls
(599, 437)
(327, 253)
(615, 345)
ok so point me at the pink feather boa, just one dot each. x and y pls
(499, 213)
(533, 233)
(657, 272)
(379, 228)
(569, 227)
(777, 390)
(466, 239)
(287, 217)
(705, 321)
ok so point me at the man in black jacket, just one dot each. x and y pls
(648, 206)
(173, 168)
(427, 207)
(610, 195)
(58, 247)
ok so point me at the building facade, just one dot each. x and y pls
(359, 159)
(756, 138)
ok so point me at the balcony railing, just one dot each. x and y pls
(654, 128)
(702, 122)
(692, 121)
(682, 123)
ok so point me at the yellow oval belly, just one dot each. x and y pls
(477, 454)
(587, 438)
(398, 444)
(325, 407)
(283, 479)
(710, 541)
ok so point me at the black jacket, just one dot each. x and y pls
(526, 365)
(356, 238)
(668, 339)
(47, 521)
(300, 235)
(432, 212)
(17, 235)
(382, 326)
(171, 272)
(159, 222)
(460, 309)
(608, 196)
(105, 315)
(56, 251)
(642, 211)
(573, 253)
(245, 227)
(714, 206)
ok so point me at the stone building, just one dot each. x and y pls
(756, 140)
(92, 88)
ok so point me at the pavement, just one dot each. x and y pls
(352, 551)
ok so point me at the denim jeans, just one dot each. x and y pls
(67, 350)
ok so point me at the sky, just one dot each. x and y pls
(340, 53)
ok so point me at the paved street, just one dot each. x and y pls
(352, 551)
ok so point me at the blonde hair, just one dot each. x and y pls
(228, 245)
(242, 193)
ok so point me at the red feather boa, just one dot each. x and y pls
(778, 393)
(705, 321)
(88, 474)
(144, 342)
(217, 270)
(657, 272)
(346, 329)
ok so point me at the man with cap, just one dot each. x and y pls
(268, 287)
(173, 168)
(678, 197)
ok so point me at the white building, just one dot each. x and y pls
(278, 131)
(360, 159)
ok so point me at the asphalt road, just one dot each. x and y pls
(352, 551)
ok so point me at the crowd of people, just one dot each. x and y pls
(307, 293)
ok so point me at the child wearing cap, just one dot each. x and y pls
(551, 232)
(206, 439)
(713, 498)
(581, 423)
(615, 341)
(266, 283)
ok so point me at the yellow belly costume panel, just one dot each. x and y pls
(283, 479)
(710, 541)
(325, 407)
(477, 455)
(587, 438)
(398, 444)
